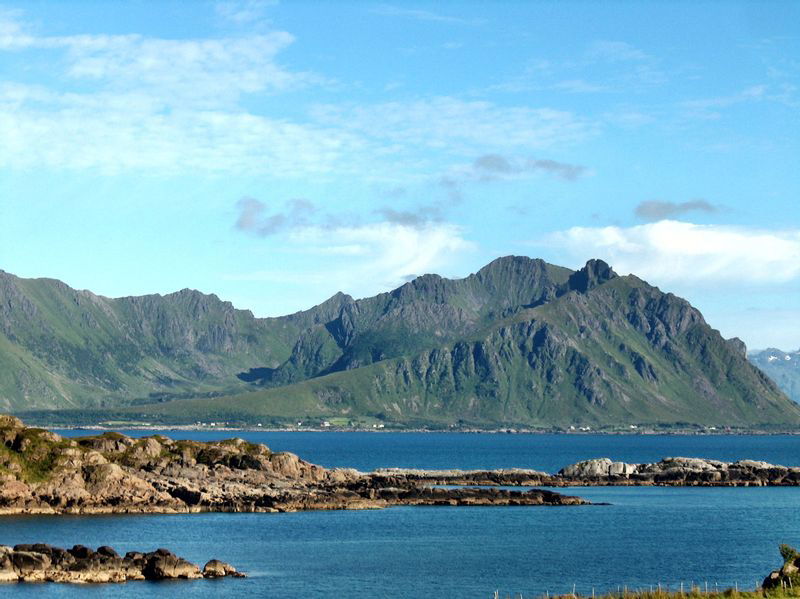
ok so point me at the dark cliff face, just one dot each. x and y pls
(596, 272)
(426, 312)
(519, 342)
(617, 353)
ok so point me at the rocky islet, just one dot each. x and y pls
(40, 562)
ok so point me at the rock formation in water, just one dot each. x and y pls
(43, 563)
(677, 472)
(42, 472)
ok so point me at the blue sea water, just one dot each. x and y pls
(645, 537)
(367, 451)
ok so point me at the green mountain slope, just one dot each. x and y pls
(782, 367)
(614, 350)
(520, 342)
(62, 348)
(65, 348)
(425, 312)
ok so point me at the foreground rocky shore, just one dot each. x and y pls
(43, 563)
(43, 473)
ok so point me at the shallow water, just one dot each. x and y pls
(647, 536)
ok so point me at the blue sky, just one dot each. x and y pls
(275, 153)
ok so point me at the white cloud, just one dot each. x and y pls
(199, 72)
(419, 15)
(157, 105)
(380, 256)
(675, 252)
(12, 34)
(243, 12)
(116, 133)
(115, 103)
(712, 108)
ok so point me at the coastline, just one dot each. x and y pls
(427, 430)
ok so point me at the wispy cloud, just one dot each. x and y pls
(122, 102)
(381, 252)
(421, 216)
(605, 66)
(255, 217)
(658, 210)
(676, 252)
(112, 134)
(390, 10)
(615, 51)
(171, 71)
(455, 125)
(117, 103)
(488, 168)
(380, 255)
(712, 108)
(492, 166)
(244, 12)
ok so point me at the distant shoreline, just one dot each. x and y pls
(509, 431)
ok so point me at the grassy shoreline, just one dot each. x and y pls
(695, 592)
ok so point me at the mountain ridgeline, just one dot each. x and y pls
(519, 343)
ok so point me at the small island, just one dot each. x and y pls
(40, 562)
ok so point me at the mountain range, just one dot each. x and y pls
(782, 367)
(519, 343)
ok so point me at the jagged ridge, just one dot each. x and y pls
(520, 342)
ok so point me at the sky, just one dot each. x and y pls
(274, 153)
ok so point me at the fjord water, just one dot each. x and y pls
(645, 537)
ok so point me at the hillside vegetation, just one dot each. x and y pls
(520, 342)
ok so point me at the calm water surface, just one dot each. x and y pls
(367, 451)
(647, 535)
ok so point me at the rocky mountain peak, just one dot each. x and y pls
(594, 273)
(511, 264)
(737, 345)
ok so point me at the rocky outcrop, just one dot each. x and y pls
(43, 563)
(788, 575)
(41, 472)
(679, 471)
(675, 472)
